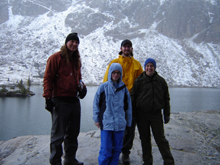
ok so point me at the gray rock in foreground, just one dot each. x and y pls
(194, 138)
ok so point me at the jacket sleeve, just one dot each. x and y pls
(133, 98)
(96, 108)
(166, 110)
(49, 76)
(140, 70)
(106, 74)
(129, 111)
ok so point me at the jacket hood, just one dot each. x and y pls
(115, 66)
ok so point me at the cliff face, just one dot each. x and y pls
(181, 35)
(177, 19)
(194, 138)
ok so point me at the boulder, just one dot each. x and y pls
(194, 138)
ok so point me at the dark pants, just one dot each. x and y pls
(155, 122)
(129, 135)
(65, 128)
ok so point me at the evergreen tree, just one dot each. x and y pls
(28, 84)
(3, 89)
(29, 81)
(20, 84)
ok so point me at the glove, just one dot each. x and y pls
(166, 119)
(49, 105)
(82, 93)
(82, 90)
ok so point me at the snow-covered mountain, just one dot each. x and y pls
(182, 35)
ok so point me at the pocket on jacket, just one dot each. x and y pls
(122, 124)
(108, 124)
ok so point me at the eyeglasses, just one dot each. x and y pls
(116, 72)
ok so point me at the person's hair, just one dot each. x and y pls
(121, 53)
(70, 57)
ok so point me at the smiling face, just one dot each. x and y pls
(126, 50)
(115, 76)
(150, 69)
(72, 45)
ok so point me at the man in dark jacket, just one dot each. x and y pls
(149, 96)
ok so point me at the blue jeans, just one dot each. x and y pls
(111, 145)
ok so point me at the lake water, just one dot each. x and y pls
(27, 116)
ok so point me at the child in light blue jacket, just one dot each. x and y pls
(112, 112)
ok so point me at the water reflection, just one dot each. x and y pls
(194, 99)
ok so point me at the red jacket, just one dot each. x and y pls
(60, 79)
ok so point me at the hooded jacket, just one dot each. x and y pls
(109, 104)
(131, 70)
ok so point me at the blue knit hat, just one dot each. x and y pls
(150, 60)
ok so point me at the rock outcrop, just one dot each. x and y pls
(194, 138)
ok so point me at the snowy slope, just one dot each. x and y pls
(28, 40)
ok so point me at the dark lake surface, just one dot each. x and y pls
(27, 116)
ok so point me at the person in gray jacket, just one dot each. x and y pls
(149, 96)
(112, 112)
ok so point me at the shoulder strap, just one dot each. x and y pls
(125, 97)
(120, 88)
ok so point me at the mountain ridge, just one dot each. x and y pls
(186, 49)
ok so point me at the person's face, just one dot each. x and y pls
(116, 75)
(72, 45)
(149, 69)
(126, 50)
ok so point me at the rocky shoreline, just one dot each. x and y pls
(12, 94)
(194, 138)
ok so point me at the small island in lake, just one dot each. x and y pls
(16, 90)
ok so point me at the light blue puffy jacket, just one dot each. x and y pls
(114, 117)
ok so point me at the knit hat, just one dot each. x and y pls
(150, 60)
(126, 42)
(72, 36)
